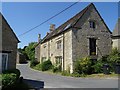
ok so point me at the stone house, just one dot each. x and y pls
(21, 58)
(8, 46)
(116, 35)
(85, 34)
(37, 49)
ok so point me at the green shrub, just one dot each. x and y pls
(75, 74)
(111, 60)
(65, 73)
(46, 65)
(114, 58)
(8, 80)
(0, 79)
(104, 59)
(114, 51)
(83, 66)
(33, 63)
(77, 67)
(38, 67)
(15, 71)
(56, 68)
(98, 67)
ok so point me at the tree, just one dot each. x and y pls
(30, 50)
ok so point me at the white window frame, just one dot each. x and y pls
(6, 67)
(58, 60)
(59, 44)
(44, 59)
(92, 24)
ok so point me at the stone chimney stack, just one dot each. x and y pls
(47, 33)
(39, 37)
(52, 27)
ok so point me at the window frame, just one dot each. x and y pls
(58, 60)
(59, 44)
(92, 42)
(92, 24)
(44, 59)
(6, 66)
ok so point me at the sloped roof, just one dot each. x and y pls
(36, 44)
(70, 23)
(1, 16)
(116, 31)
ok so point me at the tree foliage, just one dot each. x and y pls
(114, 56)
(30, 50)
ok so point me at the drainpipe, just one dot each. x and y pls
(39, 48)
(48, 49)
(63, 53)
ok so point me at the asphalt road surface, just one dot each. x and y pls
(40, 79)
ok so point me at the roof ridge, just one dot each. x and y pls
(2, 17)
(76, 14)
(69, 21)
(116, 31)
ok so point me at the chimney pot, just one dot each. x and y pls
(52, 27)
(39, 37)
(47, 33)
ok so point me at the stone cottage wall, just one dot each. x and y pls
(116, 43)
(9, 43)
(44, 51)
(53, 47)
(75, 42)
(68, 51)
(0, 44)
(37, 52)
(50, 51)
(80, 40)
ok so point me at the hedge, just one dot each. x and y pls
(8, 80)
(83, 66)
(46, 65)
(15, 71)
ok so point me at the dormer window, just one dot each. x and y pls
(59, 44)
(92, 24)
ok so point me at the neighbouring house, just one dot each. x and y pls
(37, 49)
(8, 43)
(21, 58)
(116, 35)
(85, 34)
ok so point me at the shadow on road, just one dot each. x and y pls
(25, 62)
(34, 84)
(80, 89)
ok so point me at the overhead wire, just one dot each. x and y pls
(48, 19)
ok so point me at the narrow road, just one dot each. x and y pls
(39, 79)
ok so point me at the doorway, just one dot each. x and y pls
(92, 46)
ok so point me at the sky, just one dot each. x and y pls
(22, 16)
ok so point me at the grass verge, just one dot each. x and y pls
(65, 73)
